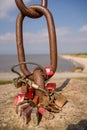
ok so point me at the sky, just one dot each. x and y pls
(70, 18)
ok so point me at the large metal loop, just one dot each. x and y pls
(28, 11)
(52, 38)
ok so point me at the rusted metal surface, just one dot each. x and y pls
(29, 11)
(35, 11)
(39, 79)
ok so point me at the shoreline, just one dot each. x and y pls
(79, 71)
(7, 76)
(81, 62)
(63, 65)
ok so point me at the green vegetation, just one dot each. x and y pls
(2, 82)
(83, 55)
(84, 79)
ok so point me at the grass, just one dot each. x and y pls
(84, 79)
(2, 82)
(83, 55)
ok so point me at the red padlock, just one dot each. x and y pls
(49, 71)
(29, 94)
(45, 113)
(19, 98)
(50, 87)
(42, 111)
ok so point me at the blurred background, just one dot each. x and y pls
(70, 18)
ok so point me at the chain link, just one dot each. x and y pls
(29, 11)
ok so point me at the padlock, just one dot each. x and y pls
(45, 113)
(49, 71)
(26, 114)
(53, 108)
(50, 87)
(30, 93)
(42, 111)
(21, 108)
(60, 99)
(19, 98)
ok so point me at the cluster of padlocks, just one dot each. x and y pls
(27, 102)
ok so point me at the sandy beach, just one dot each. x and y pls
(73, 115)
(82, 61)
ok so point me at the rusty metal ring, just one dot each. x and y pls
(52, 39)
(28, 11)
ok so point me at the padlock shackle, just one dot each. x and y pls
(25, 63)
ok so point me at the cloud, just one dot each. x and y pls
(83, 28)
(33, 42)
(66, 38)
(6, 6)
(63, 35)
(7, 38)
(63, 31)
(39, 37)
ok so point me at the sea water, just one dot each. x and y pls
(7, 61)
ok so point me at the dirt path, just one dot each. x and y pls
(72, 117)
